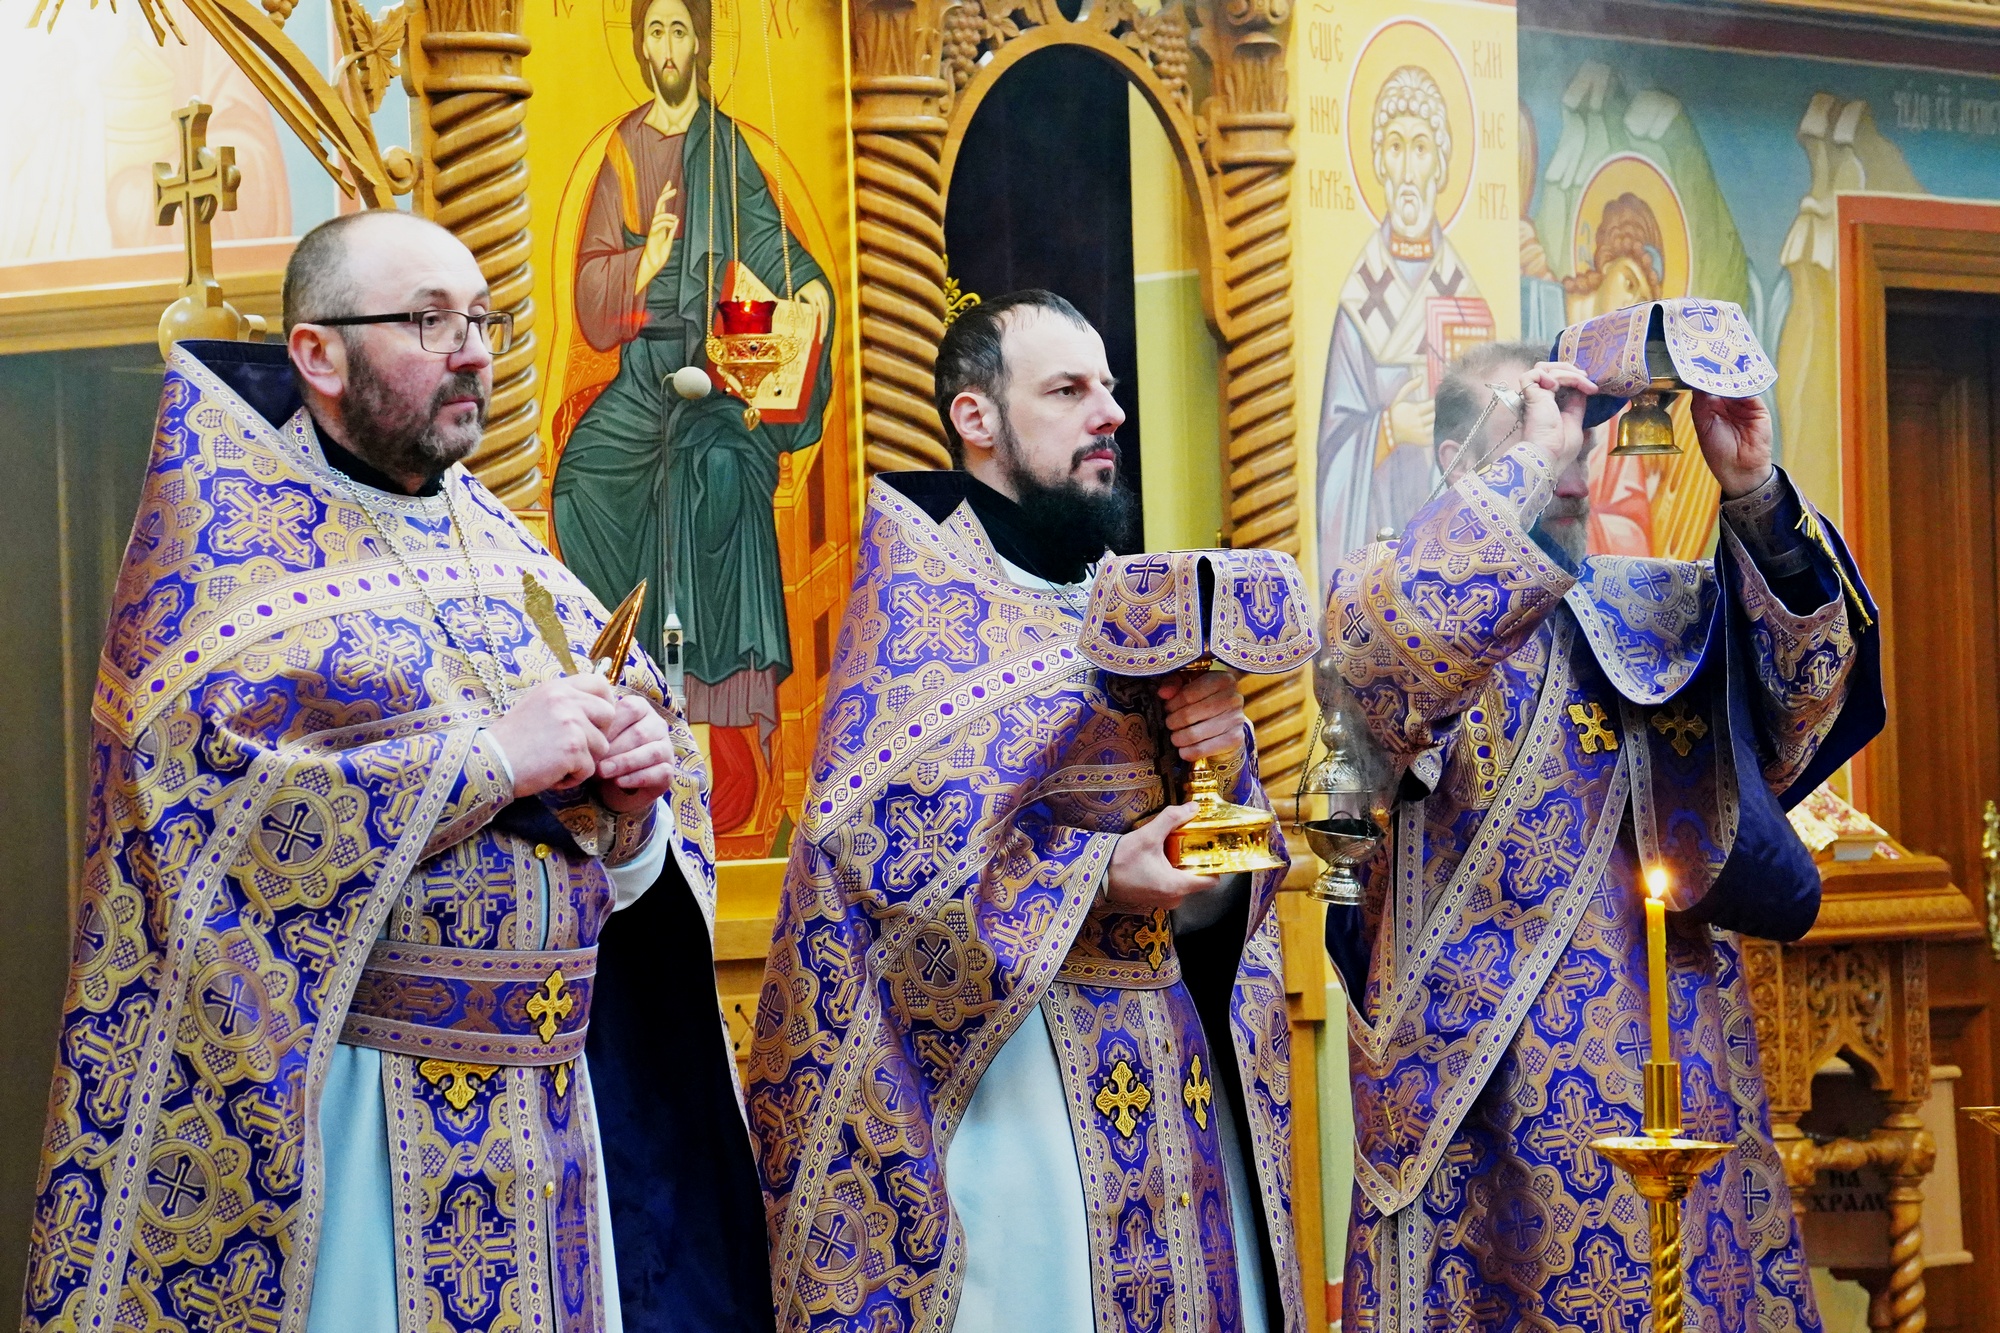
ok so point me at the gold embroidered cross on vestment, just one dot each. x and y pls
(1155, 938)
(1124, 1099)
(554, 1004)
(1592, 734)
(1681, 725)
(1197, 1092)
(458, 1081)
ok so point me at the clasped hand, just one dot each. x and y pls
(575, 728)
(1204, 719)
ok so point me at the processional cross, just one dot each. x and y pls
(203, 185)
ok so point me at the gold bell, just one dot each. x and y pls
(1222, 838)
(1646, 428)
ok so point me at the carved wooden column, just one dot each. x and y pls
(1857, 986)
(1250, 161)
(899, 96)
(467, 55)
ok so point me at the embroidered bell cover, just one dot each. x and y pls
(1711, 343)
(1152, 614)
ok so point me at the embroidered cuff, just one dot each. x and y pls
(630, 834)
(497, 756)
(1758, 521)
(485, 788)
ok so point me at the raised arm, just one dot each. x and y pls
(1804, 605)
(1418, 625)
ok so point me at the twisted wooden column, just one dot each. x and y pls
(1250, 160)
(1903, 1150)
(899, 128)
(476, 184)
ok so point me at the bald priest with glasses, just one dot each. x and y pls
(389, 890)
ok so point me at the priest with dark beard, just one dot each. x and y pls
(941, 1105)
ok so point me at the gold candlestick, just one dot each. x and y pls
(1663, 1166)
(1986, 1117)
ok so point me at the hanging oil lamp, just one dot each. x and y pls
(746, 351)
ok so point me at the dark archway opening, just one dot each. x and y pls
(1041, 196)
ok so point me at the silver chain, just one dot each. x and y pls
(487, 663)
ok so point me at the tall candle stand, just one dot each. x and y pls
(1662, 1164)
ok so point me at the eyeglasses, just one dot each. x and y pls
(441, 331)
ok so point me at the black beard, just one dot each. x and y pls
(1074, 523)
(400, 442)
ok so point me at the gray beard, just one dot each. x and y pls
(391, 436)
(1567, 544)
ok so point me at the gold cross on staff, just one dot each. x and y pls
(203, 185)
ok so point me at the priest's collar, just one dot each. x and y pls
(1015, 538)
(363, 473)
(261, 373)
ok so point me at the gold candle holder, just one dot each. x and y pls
(1987, 1117)
(1664, 1167)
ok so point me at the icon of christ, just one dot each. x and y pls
(654, 485)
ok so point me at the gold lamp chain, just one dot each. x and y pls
(708, 320)
(778, 150)
(735, 204)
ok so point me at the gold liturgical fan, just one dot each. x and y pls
(1180, 612)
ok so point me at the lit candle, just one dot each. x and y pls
(747, 316)
(1656, 959)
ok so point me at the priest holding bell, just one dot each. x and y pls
(1562, 727)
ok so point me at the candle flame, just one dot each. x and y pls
(1656, 881)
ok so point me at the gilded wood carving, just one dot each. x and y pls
(470, 171)
(466, 57)
(921, 68)
(1857, 987)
